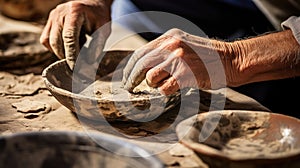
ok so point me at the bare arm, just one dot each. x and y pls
(178, 59)
(267, 57)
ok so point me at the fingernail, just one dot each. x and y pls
(150, 83)
(129, 89)
(178, 51)
(161, 91)
(70, 64)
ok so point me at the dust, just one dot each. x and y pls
(113, 90)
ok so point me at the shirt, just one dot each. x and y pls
(217, 18)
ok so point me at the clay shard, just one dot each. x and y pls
(29, 106)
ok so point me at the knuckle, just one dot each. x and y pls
(69, 36)
(179, 53)
(44, 40)
(150, 78)
(53, 43)
(140, 64)
(71, 7)
(60, 6)
(68, 33)
(177, 42)
(149, 75)
(174, 43)
(76, 7)
(137, 54)
(174, 31)
(52, 12)
(165, 90)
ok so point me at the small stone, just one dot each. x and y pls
(98, 93)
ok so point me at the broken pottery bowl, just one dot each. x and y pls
(83, 95)
(22, 52)
(66, 149)
(235, 138)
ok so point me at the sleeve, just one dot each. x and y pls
(293, 23)
(278, 11)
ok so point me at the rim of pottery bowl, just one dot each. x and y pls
(212, 152)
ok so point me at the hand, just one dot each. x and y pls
(69, 21)
(176, 60)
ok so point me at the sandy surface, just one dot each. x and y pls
(113, 90)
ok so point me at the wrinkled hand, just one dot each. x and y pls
(69, 21)
(176, 60)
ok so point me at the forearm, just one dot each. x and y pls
(267, 57)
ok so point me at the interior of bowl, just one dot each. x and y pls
(60, 76)
(71, 150)
(242, 135)
(76, 91)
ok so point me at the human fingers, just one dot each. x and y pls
(160, 72)
(44, 38)
(141, 64)
(169, 86)
(70, 35)
(155, 75)
(55, 40)
(135, 56)
(138, 54)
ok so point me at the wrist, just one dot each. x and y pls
(231, 54)
(270, 56)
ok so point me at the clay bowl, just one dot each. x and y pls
(63, 149)
(67, 88)
(22, 50)
(233, 138)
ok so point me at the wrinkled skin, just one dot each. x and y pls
(175, 60)
(68, 22)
